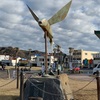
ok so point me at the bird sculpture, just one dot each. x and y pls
(57, 17)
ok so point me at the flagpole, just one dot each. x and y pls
(46, 64)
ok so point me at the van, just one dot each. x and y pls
(97, 68)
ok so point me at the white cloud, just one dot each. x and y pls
(18, 27)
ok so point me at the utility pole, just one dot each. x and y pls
(17, 50)
(70, 58)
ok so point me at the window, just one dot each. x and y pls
(41, 59)
(78, 58)
(96, 58)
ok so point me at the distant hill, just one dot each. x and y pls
(13, 51)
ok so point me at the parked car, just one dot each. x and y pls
(76, 69)
(97, 68)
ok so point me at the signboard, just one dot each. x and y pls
(97, 33)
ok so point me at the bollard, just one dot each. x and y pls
(98, 84)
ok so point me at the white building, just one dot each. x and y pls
(10, 61)
(96, 58)
(38, 60)
(4, 57)
(15, 61)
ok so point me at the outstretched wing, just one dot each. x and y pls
(60, 15)
(33, 14)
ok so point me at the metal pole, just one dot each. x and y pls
(46, 64)
(98, 85)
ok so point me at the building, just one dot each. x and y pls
(38, 60)
(96, 59)
(4, 57)
(83, 58)
(15, 60)
(8, 60)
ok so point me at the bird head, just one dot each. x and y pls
(43, 22)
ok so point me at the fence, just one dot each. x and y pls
(22, 83)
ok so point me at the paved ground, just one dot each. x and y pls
(11, 73)
(81, 77)
(85, 74)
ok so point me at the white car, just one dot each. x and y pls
(97, 68)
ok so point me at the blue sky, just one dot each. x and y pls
(19, 29)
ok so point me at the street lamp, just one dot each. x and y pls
(54, 50)
(71, 50)
(29, 59)
(58, 47)
(17, 50)
(75, 57)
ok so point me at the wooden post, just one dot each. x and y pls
(58, 72)
(98, 84)
(21, 86)
(17, 78)
(46, 55)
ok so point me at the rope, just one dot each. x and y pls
(84, 86)
(7, 83)
(58, 94)
(43, 90)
